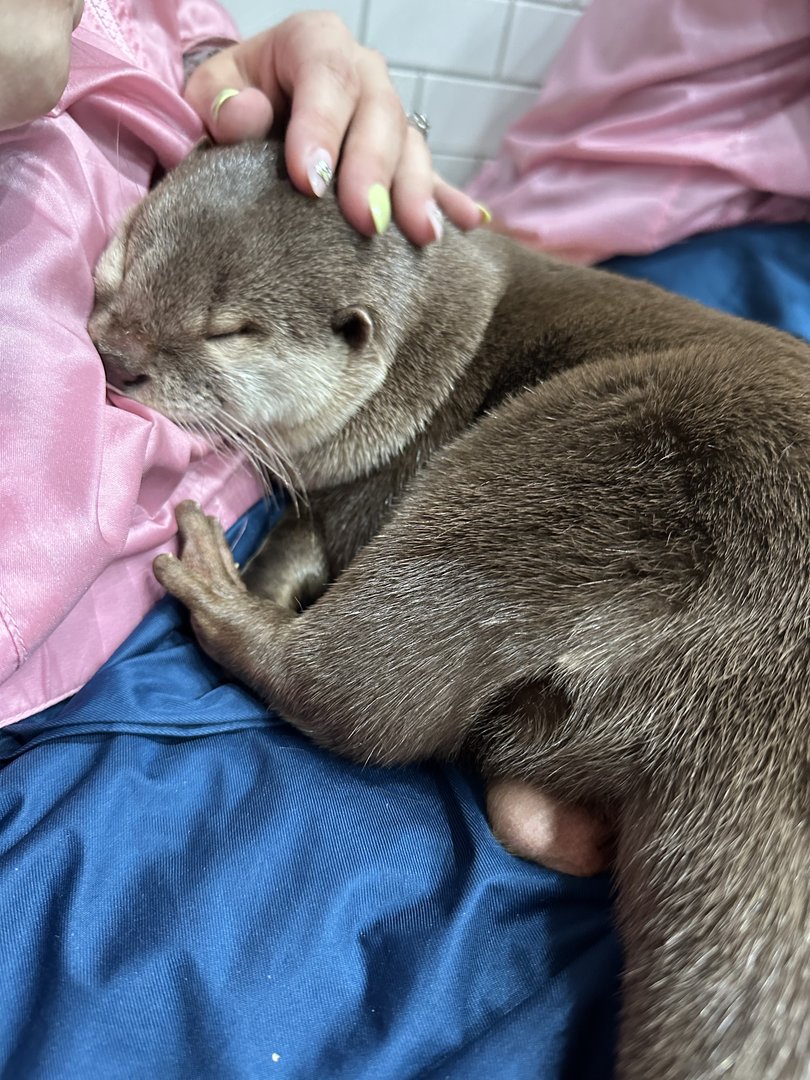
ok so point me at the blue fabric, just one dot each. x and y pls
(760, 272)
(188, 889)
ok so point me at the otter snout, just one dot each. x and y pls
(124, 354)
(119, 374)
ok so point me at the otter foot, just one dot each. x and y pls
(534, 825)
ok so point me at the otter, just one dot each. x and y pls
(555, 520)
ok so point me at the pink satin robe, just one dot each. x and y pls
(87, 490)
(660, 119)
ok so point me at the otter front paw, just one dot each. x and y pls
(205, 578)
(205, 573)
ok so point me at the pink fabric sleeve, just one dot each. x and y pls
(199, 21)
(660, 119)
(88, 486)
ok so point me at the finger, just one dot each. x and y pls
(463, 211)
(230, 104)
(372, 150)
(318, 71)
(416, 212)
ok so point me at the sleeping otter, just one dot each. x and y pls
(564, 521)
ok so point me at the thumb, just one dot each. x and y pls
(227, 100)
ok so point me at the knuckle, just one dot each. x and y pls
(318, 118)
(405, 129)
(377, 164)
(376, 62)
(418, 149)
(323, 20)
(388, 99)
(363, 164)
(333, 21)
(343, 73)
(313, 32)
(338, 69)
(416, 160)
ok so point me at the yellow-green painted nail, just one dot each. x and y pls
(220, 99)
(486, 217)
(379, 203)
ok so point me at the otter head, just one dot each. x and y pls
(245, 311)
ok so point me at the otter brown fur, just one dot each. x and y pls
(566, 518)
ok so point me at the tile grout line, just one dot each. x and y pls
(506, 32)
(419, 93)
(474, 159)
(365, 15)
(482, 80)
(558, 5)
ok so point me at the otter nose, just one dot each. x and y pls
(124, 352)
(119, 373)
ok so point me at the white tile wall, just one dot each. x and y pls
(408, 85)
(254, 15)
(472, 66)
(535, 34)
(469, 116)
(460, 36)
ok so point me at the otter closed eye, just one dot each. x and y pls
(246, 330)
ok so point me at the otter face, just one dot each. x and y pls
(241, 309)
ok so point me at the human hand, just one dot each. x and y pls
(34, 56)
(342, 106)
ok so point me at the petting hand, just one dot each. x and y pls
(34, 56)
(342, 106)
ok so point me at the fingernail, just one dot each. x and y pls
(435, 218)
(319, 171)
(220, 99)
(379, 203)
(486, 217)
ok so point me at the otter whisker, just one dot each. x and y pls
(227, 441)
(266, 456)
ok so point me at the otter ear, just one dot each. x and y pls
(355, 325)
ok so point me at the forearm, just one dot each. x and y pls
(34, 57)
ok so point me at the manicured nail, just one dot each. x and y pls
(379, 203)
(486, 217)
(435, 218)
(319, 171)
(220, 99)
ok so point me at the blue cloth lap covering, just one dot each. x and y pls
(191, 891)
(759, 272)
